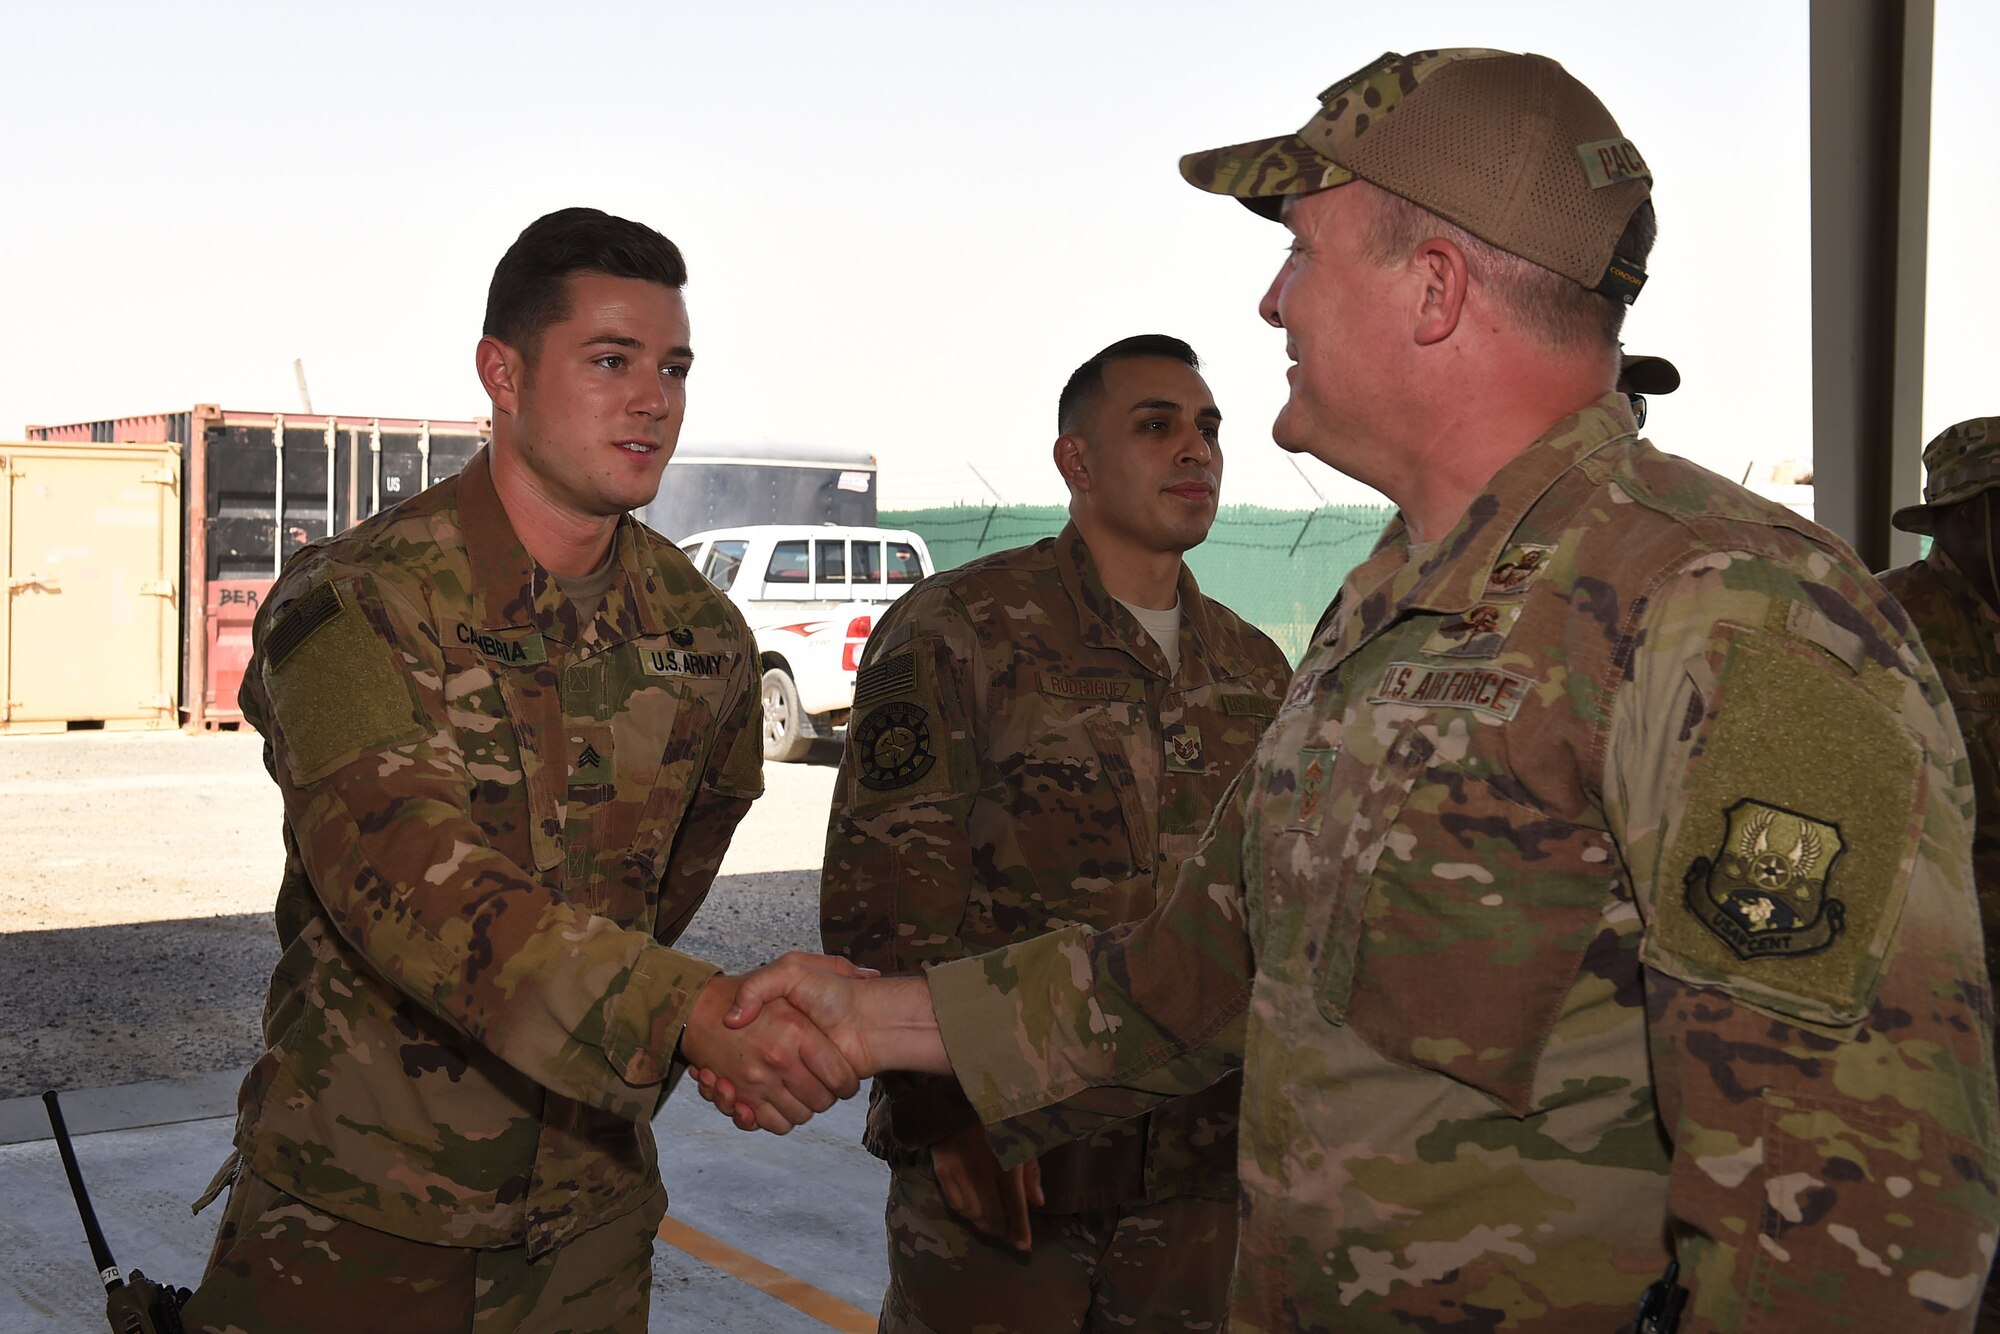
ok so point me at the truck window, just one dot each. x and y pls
(724, 560)
(788, 564)
(830, 561)
(867, 562)
(904, 567)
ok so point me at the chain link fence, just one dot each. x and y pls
(1275, 568)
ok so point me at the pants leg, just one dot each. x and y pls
(947, 1278)
(281, 1264)
(599, 1280)
(1167, 1268)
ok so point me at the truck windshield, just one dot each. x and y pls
(724, 560)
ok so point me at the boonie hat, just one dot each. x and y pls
(1509, 147)
(1963, 461)
(1640, 374)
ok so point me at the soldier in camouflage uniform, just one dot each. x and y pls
(514, 731)
(1601, 896)
(1042, 733)
(1953, 598)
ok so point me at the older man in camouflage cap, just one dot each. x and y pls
(514, 731)
(1041, 736)
(1601, 898)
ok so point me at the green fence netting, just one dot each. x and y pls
(1275, 568)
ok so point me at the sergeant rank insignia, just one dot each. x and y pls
(892, 747)
(1184, 749)
(1765, 891)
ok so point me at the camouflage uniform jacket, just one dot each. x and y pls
(1070, 772)
(1602, 893)
(1962, 635)
(495, 820)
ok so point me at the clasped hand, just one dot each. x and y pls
(771, 1054)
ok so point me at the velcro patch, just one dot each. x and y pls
(1487, 690)
(1249, 706)
(1610, 161)
(298, 619)
(1800, 821)
(884, 677)
(509, 648)
(683, 662)
(338, 693)
(1519, 565)
(1184, 753)
(1092, 687)
(893, 746)
(1480, 632)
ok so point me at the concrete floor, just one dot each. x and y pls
(809, 1205)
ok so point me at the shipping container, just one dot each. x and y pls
(732, 486)
(257, 487)
(90, 545)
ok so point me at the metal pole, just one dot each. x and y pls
(1870, 101)
(278, 520)
(332, 447)
(374, 466)
(423, 456)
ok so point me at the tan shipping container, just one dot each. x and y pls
(91, 547)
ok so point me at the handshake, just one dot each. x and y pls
(774, 1046)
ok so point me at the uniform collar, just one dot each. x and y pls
(1453, 574)
(513, 592)
(1207, 645)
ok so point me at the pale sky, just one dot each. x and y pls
(905, 223)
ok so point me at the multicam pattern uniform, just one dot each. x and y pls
(495, 820)
(1048, 772)
(1962, 635)
(1601, 893)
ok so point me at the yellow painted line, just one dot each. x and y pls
(793, 1292)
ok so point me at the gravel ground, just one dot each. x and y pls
(139, 872)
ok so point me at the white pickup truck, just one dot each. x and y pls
(811, 595)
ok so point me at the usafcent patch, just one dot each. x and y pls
(893, 746)
(1765, 890)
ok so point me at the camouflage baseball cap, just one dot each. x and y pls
(1963, 461)
(1509, 147)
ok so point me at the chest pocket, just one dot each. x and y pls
(1074, 811)
(1477, 916)
(659, 737)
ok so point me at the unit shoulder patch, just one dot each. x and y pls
(1764, 891)
(893, 746)
(1800, 816)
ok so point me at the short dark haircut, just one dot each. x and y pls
(530, 288)
(1085, 389)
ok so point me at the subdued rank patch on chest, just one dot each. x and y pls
(682, 636)
(1487, 690)
(1765, 890)
(1315, 780)
(1091, 687)
(1518, 566)
(1184, 749)
(297, 621)
(589, 760)
(892, 746)
(1480, 632)
(680, 662)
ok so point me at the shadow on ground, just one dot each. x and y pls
(92, 1006)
